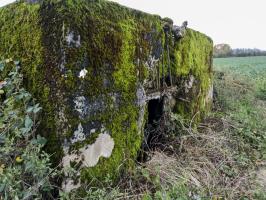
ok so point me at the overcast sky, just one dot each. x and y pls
(240, 23)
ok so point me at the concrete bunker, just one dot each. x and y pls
(89, 67)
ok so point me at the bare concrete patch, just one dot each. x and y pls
(102, 147)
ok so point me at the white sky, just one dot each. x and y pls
(240, 23)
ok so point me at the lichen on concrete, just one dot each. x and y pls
(79, 135)
(72, 39)
(83, 73)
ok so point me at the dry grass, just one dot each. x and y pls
(221, 159)
(209, 163)
(206, 162)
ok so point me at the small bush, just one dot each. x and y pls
(24, 168)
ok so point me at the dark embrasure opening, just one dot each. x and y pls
(152, 129)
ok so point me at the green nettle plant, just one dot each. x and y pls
(24, 168)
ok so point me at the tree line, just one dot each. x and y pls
(224, 50)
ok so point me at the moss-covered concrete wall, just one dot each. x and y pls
(192, 66)
(90, 64)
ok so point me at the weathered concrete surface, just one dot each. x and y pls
(91, 65)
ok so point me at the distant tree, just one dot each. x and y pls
(222, 50)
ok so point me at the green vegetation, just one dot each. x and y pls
(240, 97)
(25, 170)
(241, 91)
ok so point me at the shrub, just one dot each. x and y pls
(24, 167)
